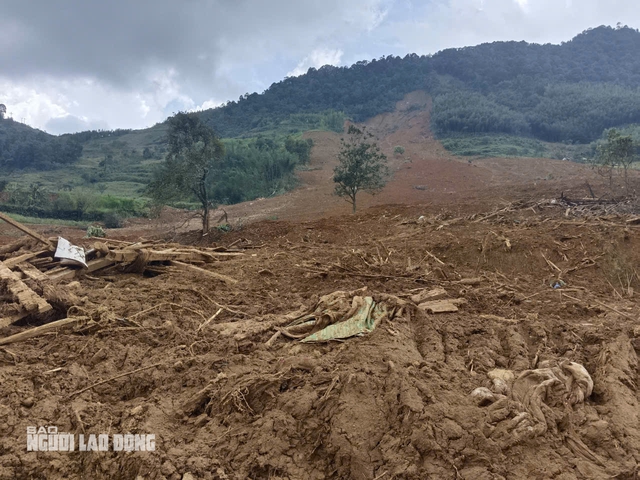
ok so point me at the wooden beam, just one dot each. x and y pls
(32, 272)
(11, 319)
(14, 246)
(26, 230)
(14, 261)
(27, 298)
(92, 266)
(193, 268)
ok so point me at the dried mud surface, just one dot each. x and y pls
(225, 404)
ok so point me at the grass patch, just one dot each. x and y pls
(501, 145)
(47, 221)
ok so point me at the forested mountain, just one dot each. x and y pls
(24, 147)
(569, 92)
(501, 98)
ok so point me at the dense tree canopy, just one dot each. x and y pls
(568, 92)
(23, 147)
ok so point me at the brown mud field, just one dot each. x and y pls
(234, 397)
(468, 363)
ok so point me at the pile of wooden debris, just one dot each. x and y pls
(31, 269)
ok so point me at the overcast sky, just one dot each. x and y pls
(72, 65)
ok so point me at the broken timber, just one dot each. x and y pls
(26, 230)
(193, 268)
(28, 300)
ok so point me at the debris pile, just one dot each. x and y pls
(32, 267)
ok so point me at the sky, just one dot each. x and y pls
(73, 65)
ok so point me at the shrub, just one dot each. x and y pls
(113, 220)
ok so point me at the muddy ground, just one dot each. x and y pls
(200, 363)
(225, 402)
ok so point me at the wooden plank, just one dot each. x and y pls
(92, 266)
(429, 295)
(123, 256)
(193, 268)
(27, 298)
(34, 332)
(13, 262)
(32, 272)
(6, 321)
(26, 230)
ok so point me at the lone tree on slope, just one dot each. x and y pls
(362, 166)
(618, 152)
(194, 152)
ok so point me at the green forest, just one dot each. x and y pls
(501, 98)
(555, 93)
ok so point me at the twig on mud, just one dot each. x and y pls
(211, 319)
(13, 355)
(550, 263)
(273, 338)
(229, 430)
(380, 476)
(602, 304)
(208, 298)
(335, 380)
(150, 309)
(434, 257)
(356, 274)
(77, 392)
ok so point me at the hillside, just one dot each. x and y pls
(559, 93)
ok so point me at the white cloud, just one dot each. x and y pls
(74, 69)
(318, 58)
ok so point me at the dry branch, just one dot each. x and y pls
(34, 332)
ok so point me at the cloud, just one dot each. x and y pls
(128, 64)
(71, 123)
(164, 53)
(441, 24)
(318, 58)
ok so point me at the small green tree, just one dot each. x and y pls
(398, 150)
(618, 152)
(362, 166)
(194, 150)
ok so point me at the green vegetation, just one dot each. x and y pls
(194, 152)
(259, 167)
(80, 205)
(502, 145)
(497, 99)
(618, 153)
(362, 167)
(556, 93)
(23, 147)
